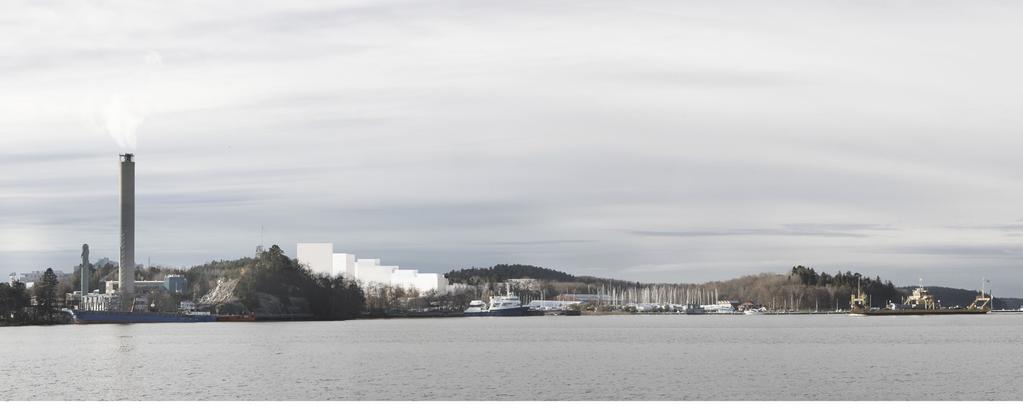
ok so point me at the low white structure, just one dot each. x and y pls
(432, 281)
(343, 265)
(320, 258)
(370, 271)
(404, 278)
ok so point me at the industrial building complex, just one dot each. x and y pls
(321, 259)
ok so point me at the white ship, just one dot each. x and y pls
(500, 306)
(755, 311)
(722, 307)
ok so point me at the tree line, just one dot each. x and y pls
(273, 277)
(16, 302)
(502, 272)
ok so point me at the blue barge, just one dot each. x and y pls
(124, 317)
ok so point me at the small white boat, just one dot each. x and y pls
(476, 308)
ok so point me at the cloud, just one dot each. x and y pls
(543, 242)
(715, 140)
(1013, 252)
(795, 229)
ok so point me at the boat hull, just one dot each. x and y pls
(504, 312)
(910, 312)
(122, 317)
(236, 317)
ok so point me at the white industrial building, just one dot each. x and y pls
(318, 257)
(370, 271)
(321, 259)
(343, 264)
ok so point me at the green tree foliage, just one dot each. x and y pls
(46, 293)
(502, 272)
(274, 274)
(880, 292)
(6, 301)
(337, 298)
(14, 303)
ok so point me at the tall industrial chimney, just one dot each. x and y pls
(126, 267)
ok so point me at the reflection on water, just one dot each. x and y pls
(529, 358)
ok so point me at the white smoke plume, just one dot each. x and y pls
(119, 114)
(120, 117)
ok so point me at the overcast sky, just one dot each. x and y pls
(674, 141)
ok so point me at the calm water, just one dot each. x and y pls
(528, 358)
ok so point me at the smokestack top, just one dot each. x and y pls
(127, 157)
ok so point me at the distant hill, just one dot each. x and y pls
(503, 272)
(801, 288)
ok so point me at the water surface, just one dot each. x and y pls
(646, 357)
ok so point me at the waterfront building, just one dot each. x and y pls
(175, 284)
(145, 287)
(35, 276)
(370, 271)
(100, 302)
(343, 265)
(427, 281)
(423, 282)
(320, 258)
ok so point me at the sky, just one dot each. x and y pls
(657, 141)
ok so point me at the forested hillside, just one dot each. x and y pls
(502, 272)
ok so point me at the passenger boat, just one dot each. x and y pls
(476, 308)
(501, 306)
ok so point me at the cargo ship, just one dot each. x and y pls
(919, 304)
(126, 317)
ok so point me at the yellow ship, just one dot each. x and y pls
(920, 303)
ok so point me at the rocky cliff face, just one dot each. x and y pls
(222, 294)
(223, 298)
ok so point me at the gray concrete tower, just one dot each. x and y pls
(85, 270)
(126, 268)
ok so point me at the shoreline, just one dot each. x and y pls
(297, 318)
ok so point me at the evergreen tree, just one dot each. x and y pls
(46, 293)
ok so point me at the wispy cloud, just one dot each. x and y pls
(543, 242)
(794, 229)
(981, 251)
